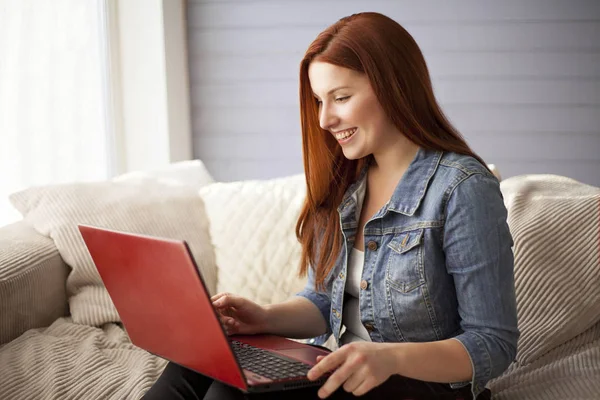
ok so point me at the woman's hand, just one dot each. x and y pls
(239, 315)
(358, 366)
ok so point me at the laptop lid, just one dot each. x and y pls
(162, 300)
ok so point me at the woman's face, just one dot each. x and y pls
(350, 111)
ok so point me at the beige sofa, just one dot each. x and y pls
(60, 336)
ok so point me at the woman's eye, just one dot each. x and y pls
(342, 99)
(318, 102)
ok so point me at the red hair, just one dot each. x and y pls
(379, 47)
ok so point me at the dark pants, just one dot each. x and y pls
(180, 383)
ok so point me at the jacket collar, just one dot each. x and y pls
(412, 187)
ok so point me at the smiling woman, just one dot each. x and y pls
(403, 231)
(392, 94)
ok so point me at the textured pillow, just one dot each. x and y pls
(150, 208)
(555, 224)
(252, 226)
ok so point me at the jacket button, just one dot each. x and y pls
(372, 245)
(364, 285)
(369, 327)
(341, 276)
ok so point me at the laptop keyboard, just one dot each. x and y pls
(267, 364)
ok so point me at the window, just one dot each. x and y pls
(53, 95)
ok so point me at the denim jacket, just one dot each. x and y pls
(438, 264)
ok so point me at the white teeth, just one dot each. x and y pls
(345, 134)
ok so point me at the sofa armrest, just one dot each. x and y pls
(32, 281)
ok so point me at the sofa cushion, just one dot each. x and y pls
(555, 223)
(144, 206)
(252, 225)
(32, 281)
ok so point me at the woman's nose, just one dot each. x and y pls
(327, 118)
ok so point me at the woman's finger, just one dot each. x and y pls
(223, 313)
(227, 321)
(230, 325)
(364, 387)
(223, 320)
(353, 382)
(336, 380)
(229, 300)
(327, 363)
(345, 369)
(218, 296)
(227, 312)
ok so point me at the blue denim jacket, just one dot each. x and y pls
(438, 264)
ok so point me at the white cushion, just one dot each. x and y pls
(252, 225)
(146, 207)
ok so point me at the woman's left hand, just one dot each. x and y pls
(358, 366)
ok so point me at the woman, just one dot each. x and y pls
(403, 232)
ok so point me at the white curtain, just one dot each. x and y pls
(53, 108)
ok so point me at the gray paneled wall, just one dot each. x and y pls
(520, 79)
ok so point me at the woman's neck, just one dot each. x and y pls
(393, 161)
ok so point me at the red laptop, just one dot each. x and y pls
(164, 305)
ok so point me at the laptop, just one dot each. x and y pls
(166, 310)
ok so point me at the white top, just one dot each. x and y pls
(355, 331)
(352, 329)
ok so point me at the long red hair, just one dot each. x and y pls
(379, 47)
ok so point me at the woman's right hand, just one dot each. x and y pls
(239, 315)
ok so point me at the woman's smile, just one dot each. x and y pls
(345, 135)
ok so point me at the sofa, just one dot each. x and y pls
(61, 337)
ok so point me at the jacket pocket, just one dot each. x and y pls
(406, 289)
(404, 269)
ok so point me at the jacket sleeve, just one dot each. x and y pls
(478, 248)
(320, 299)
